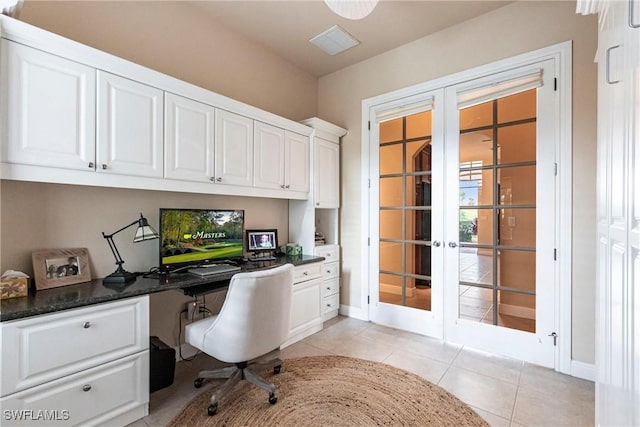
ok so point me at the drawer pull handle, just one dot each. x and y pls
(328, 271)
(86, 387)
(86, 325)
(306, 273)
(90, 165)
(328, 288)
(104, 166)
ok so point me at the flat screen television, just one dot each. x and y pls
(190, 237)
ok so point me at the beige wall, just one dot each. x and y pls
(179, 41)
(514, 29)
(48, 216)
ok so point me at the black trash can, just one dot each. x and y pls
(162, 365)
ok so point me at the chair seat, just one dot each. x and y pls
(194, 333)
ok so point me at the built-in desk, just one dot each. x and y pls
(94, 292)
(81, 352)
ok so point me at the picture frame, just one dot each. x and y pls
(262, 240)
(60, 267)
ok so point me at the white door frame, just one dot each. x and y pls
(562, 54)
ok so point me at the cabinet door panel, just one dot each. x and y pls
(234, 149)
(130, 117)
(47, 109)
(269, 156)
(296, 161)
(327, 174)
(305, 309)
(189, 135)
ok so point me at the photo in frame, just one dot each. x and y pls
(60, 267)
(262, 240)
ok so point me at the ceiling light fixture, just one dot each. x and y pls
(11, 7)
(352, 9)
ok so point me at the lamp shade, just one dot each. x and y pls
(144, 231)
(352, 9)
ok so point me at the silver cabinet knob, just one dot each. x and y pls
(282, 186)
(287, 186)
(86, 387)
(453, 245)
(219, 179)
(86, 325)
(91, 165)
(104, 166)
(212, 179)
(436, 243)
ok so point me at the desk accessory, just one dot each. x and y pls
(144, 232)
(60, 267)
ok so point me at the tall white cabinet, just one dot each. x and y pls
(618, 214)
(320, 213)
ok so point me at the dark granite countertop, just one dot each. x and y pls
(94, 292)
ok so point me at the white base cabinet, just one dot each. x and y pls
(306, 313)
(86, 366)
(330, 280)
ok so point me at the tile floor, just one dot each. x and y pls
(504, 391)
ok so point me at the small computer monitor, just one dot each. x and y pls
(262, 240)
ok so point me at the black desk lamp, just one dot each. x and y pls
(144, 232)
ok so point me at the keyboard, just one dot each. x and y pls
(262, 258)
(213, 269)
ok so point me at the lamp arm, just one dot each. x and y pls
(107, 236)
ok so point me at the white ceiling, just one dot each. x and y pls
(285, 27)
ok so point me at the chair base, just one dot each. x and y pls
(234, 374)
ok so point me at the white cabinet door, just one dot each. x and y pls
(47, 109)
(234, 149)
(306, 308)
(296, 161)
(130, 116)
(269, 156)
(189, 139)
(327, 174)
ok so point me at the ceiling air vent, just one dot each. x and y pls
(335, 40)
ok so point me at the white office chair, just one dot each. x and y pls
(253, 321)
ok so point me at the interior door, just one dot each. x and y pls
(500, 203)
(406, 213)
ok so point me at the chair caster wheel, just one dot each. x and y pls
(197, 383)
(212, 409)
(273, 399)
(276, 369)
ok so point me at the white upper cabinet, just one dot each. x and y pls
(189, 139)
(296, 159)
(234, 149)
(327, 174)
(269, 153)
(129, 127)
(281, 159)
(47, 109)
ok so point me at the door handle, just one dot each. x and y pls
(436, 243)
(453, 245)
(608, 65)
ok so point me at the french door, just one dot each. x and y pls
(462, 213)
(500, 268)
(406, 206)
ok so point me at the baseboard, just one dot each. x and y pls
(517, 311)
(395, 289)
(356, 313)
(586, 371)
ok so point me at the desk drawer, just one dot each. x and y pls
(330, 270)
(91, 397)
(43, 348)
(305, 272)
(331, 253)
(330, 287)
(330, 303)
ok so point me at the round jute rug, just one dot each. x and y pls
(334, 391)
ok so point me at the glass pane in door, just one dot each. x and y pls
(497, 212)
(405, 211)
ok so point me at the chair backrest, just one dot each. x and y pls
(255, 316)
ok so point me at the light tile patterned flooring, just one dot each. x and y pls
(504, 391)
